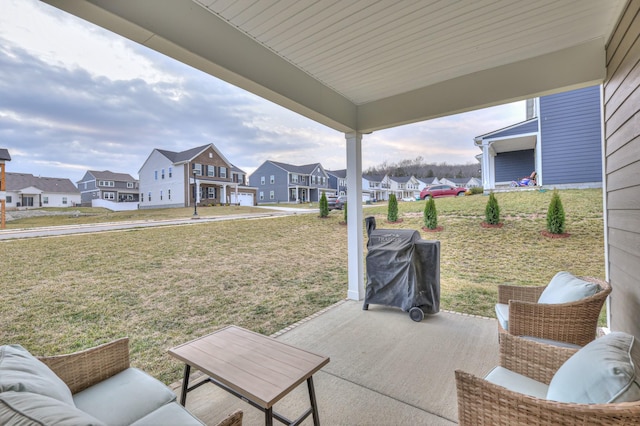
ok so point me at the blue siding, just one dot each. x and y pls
(571, 137)
(524, 128)
(280, 186)
(514, 165)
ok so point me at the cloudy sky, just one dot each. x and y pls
(75, 97)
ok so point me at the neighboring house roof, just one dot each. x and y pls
(373, 178)
(400, 179)
(18, 181)
(109, 175)
(514, 127)
(342, 174)
(458, 181)
(4, 155)
(303, 170)
(190, 154)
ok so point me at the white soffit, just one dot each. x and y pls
(366, 65)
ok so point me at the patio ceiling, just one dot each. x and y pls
(366, 65)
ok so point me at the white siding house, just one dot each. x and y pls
(24, 190)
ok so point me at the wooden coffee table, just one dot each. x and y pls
(258, 369)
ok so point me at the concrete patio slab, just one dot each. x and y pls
(385, 369)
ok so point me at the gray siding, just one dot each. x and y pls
(280, 186)
(622, 170)
(514, 165)
(570, 126)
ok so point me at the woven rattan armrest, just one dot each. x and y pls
(535, 360)
(483, 403)
(508, 292)
(82, 369)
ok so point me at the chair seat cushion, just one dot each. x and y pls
(169, 415)
(124, 398)
(604, 371)
(32, 409)
(502, 313)
(566, 288)
(22, 372)
(517, 382)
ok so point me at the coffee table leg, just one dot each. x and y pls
(314, 406)
(268, 416)
(185, 384)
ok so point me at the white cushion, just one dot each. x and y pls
(566, 288)
(124, 398)
(604, 371)
(32, 409)
(502, 313)
(517, 382)
(22, 372)
(169, 415)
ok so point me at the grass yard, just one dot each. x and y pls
(164, 286)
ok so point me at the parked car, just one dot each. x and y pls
(336, 203)
(442, 191)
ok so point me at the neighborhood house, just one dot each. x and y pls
(286, 183)
(24, 190)
(109, 186)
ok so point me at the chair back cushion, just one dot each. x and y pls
(604, 371)
(22, 372)
(566, 288)
(31, 409)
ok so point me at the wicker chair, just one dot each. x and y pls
(574, 323)
(80, 370)
(483, 403)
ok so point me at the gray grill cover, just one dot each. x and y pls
(403, 270)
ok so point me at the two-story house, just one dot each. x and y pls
(375, 187)
(286, 183)
(109, 186)
(404, 187)
(24, 190)
(561, 140)
(338, 181)
(199, 175)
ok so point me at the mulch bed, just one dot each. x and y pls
(488, 225)
(397, 221)
(550, 235)
(437, 229)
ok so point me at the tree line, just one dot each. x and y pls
(421, 169)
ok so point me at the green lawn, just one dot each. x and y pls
(163, 286)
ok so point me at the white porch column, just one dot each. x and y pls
(355, 240)
(488, 174)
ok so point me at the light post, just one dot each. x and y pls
(195, 195)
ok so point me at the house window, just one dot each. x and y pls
(142, 197)
(211, 171)
(223, 172)
(272, 195)
(45, 200)
(272, 179)
(261, 195)
(211, 192)
(149, 196)
(109, 195)
(262, 180)
(106, 183)
(64, 200)
(294, 178)
(168, 193)
(162, 173)
(197, 168)
(161, 195)
(170, 171)
(155, 174)
(129, 184)
(9, 199)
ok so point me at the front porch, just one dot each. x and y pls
(384, 368)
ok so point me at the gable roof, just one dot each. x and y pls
(342, 174)
(109, 175)
(190, 154)
(401, 179)
(18, 181)
(303, 170)
(373, 178)
(4, 154)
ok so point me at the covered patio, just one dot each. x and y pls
(359, 67)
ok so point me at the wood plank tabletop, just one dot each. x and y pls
(258, 367)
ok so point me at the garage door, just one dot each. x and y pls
(243, 199)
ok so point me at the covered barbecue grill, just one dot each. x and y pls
(403, 270)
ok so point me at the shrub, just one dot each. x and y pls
(492, 211)
(344, 211)
(392, 209)
(475, 190)
(324, 205)
(430, 215)
(555, 214)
